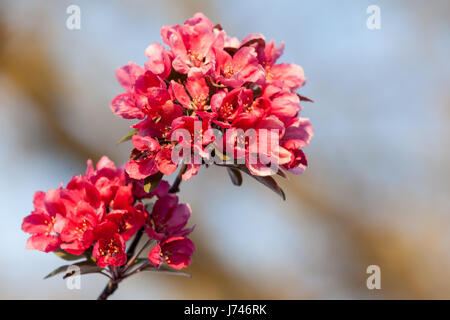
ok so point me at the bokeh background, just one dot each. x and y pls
(376, 191)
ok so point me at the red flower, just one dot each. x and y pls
(238, 109)
(106, 178)
(139, 192)
(68, 218)
(176, 252)
(109, 250)
(129, 221)
(40, 223)
(227, 106)
(77, 228)
(168, 218)
(195, 132)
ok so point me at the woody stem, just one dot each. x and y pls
(176, 184)
(109, 289)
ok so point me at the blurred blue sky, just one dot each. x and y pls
(380, 117)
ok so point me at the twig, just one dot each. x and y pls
(176, 184)
(131, 261)
(138, 269)
(133, 245)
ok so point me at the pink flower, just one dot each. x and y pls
(259, 147)
(149, 158)
(40, 223)
(146, 94)
(143, 163)
(157, 124)
(298, 135)
(192, 135)
(271, 54)
(106, 178)
(242, 68)
(127, 75)
(291, 75)
(224, 84)
(125, 105)
(69, 218)
(198, 93)
(196, 129)
(151, 93)
(176, 252)
(191, 45)
(253, 112)
(159, 60)
(298, 162)
(284, 104)
(227, 106)
(53, 212)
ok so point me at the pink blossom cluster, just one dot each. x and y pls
(206, 80)
(96, 213)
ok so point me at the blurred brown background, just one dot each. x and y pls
(376, 191)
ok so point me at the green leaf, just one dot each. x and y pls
(127, 136)
(235, 175)
(151, 182)
(86, 266)
(167, 270)
(68, 256)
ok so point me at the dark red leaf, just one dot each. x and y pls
(235, 175)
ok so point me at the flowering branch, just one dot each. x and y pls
(206, 99)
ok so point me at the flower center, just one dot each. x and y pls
(110, 249)
(50, 225)
(228, 71)
(226, 110)
(196, 58)
(200, 101)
